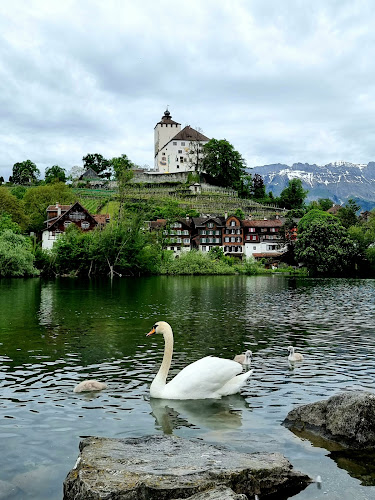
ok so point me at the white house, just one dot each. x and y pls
(262, 238)
(176, 150)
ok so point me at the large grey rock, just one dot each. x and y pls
(8, 490)
(167, 467)
(219, 493)
(348, 418)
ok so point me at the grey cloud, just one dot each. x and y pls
(283, 81)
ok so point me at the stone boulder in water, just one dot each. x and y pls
(347, 418)
(168, 467)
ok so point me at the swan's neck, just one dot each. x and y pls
(160, 380)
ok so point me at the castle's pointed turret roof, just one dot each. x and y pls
(166, 119)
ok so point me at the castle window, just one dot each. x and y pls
(175, 144)
(180, 151)
(181, 159)
(177, 166)
(182, 144)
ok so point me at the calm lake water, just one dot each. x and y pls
(54, 334)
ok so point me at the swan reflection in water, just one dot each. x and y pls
(213, 414)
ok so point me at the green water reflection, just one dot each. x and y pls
(54, 334)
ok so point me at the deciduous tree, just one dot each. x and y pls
(37, 199)
(7, 223)
(324, 246)
(223, 163)
(12, 206)
(16, 257)
(98, 163)
(122, 168)
(348, 213)
(55, 174)
(25, 172)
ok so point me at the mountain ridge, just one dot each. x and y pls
(338, 181)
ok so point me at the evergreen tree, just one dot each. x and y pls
(293, 196)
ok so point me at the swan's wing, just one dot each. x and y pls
(234, 384)
(202, 379)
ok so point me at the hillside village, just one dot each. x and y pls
(125, 223)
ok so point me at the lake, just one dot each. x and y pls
(54, 334)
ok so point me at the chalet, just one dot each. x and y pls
(89, 175)
(208, 232)
(240, 238)
(177, 236)
(262, 238)
(233, 242)
(59, 217)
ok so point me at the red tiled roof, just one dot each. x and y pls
(156, 224)
(262, 223)
(53, 208)
(101, 218)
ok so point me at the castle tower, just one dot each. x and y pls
(163, 133)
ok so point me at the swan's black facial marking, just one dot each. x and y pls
(152, 331)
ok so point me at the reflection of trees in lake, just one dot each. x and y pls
(213, 414)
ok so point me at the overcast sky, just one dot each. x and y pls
(283, 81)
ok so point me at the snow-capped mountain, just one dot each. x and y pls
(338, 181)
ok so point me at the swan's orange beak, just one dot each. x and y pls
(151, 332)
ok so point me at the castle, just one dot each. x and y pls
(176, 150)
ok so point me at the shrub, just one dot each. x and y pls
(195, 263)
(16, 257)
(249, 267)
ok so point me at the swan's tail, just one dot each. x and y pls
(234, 384)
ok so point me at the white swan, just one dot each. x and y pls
(294, 356)
(90, 385)
(209, 377)
(244, 359)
